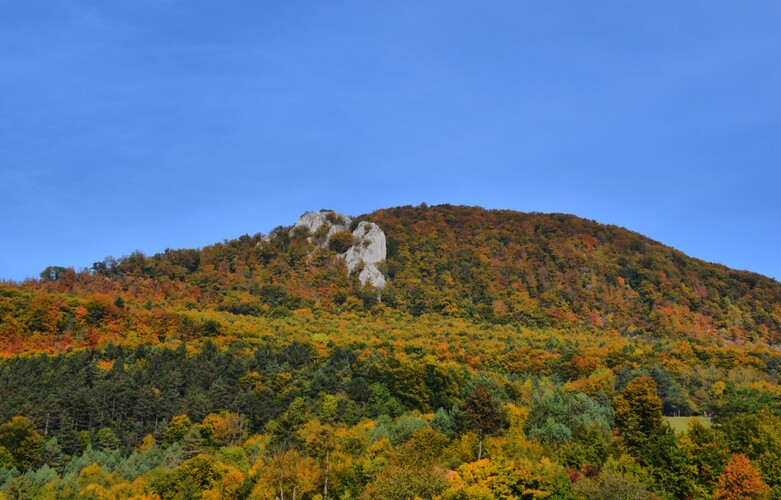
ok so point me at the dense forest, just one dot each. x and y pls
(510, 355)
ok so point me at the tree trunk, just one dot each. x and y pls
(325, 484)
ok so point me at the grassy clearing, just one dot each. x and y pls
(681, 424)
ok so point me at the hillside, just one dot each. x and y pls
(535, 270)
(414, 352)
(547, 269)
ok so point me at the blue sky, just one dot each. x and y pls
(152, 124)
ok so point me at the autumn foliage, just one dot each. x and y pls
(510, 355)
(740, 480)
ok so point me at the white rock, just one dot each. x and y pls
(370, 274)
(314, 220)
(369, 248)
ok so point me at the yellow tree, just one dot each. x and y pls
(638, 414)
(287, 476)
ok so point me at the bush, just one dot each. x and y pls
(340, 242)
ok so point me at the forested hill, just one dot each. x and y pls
(500, 266)
(508, 355)
(549, 269)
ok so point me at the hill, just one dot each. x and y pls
(433, 352)
(536, 270)
(547, 269)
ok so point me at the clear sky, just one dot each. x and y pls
(148, 124)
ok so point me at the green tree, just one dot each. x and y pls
(51, 453)
(619, 479)
(669, 464)
(52, 273)
(22, 440)
(176, 429)
(6, 459)
(106, 439)
(341, 241)
(443, 422)
(554, 416)
(675, 400)
(708, 452)
(638, 414)
(482, 410)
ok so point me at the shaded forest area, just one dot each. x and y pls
(296, 417)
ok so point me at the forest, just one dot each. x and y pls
(510, 355)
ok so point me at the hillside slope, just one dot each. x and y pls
(499, 266)
(551, 268)
(508, 355)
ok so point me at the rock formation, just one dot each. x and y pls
(369, 248)
(368, 245)
(313, 221)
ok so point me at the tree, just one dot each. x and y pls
(424, 448)
(675, 400)
(320, 442)
(288, 475)
(397, 482)
(521, 478)
(223, 428)
(201, 474)
(443, 422)
(669, 465)
(176, 429)
(554, 416)
(22, 441)
(638, 414)
(482, 410)
(741, 480)
(708, 451)
(52, 273)
(341, 241)
(106, 439)
(620, 479)
(6, 459)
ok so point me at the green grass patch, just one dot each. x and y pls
(681, 424)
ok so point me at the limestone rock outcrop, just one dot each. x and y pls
(368, 246)
(313, 221)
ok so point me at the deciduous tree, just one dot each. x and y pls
(22, 441)
(638, 414)
(740, 480)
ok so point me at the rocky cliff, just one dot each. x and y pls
(368, 248)
(368, 243)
